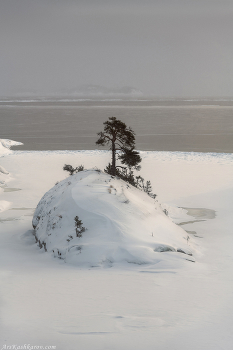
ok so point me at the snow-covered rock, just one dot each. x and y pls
(4, 176)
(123, 224)
(6, 144)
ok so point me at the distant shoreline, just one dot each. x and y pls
(123, 102)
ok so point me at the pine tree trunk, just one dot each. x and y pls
(113, 159)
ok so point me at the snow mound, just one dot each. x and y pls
(6, 144)
(123, 224)
(4, 176)
(3, 170)
(4, 205)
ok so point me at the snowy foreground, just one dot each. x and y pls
(126, 291)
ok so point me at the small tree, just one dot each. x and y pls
(146, 187)
(121, 140)
(79, 229)
(148, 190)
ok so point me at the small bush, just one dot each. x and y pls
(69, 168)
(128, 176)
(123, 173)
(70, 237)
(80, 168)
(72, 170)
(79, 229)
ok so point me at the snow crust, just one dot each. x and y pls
(123, 223)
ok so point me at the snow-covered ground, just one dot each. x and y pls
(169, 303)
(121, 224)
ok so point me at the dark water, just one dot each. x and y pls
(200, 126)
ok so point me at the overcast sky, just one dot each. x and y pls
(162, 47)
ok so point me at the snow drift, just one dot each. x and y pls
(122, 223)
(6, 144)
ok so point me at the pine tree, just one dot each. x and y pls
(121, 140)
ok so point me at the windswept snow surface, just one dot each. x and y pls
(173, 304)
(123, 223)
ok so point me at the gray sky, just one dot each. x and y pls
(162, 47)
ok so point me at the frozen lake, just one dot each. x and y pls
(172, 304)
(169, 125)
